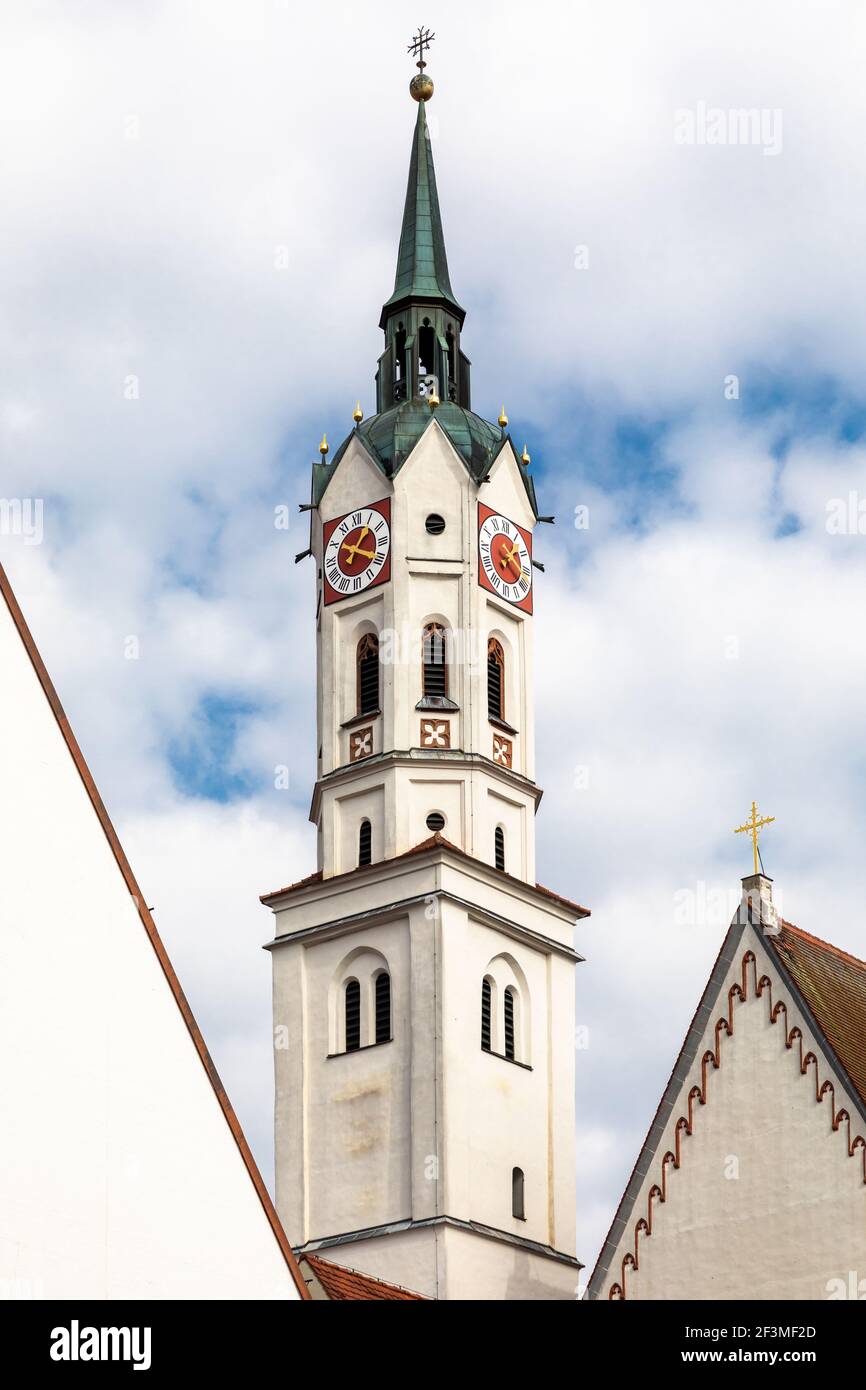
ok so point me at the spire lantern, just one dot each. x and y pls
(422, 320)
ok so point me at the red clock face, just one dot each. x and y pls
(357, 551)
(504, 558)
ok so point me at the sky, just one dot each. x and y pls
(201, 212)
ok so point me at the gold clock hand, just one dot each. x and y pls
(356, 548)
(509, 558)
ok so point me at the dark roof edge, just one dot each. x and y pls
(831, 1056)
(682, 1066)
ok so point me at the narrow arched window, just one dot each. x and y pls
(499, 846)
(495, 680)
(427, 349)
(383, 1007)
(368, 674)
(486, 1000)
(435, 671)
(365, 844)
(518, 1208)
(509, 1023)
(353, 1015)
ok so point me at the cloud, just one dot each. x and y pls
(203, 209)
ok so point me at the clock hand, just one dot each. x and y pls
(510, 558)
(356, 548)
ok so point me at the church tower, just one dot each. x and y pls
(423, 980)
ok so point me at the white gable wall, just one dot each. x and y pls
(767, 1202)
(120, 1176)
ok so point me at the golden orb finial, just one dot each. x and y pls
(358, 414)
(525, 456)
(323, 447)
(433, 400)
(421, 87)
(503, 418)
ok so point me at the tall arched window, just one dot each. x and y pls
(365, 844)
(518, 1209)
(353, 1015)
(435, 659)
(509, 1023)
(383, 1007)
(499, 846)
(495, 680)
(486, 1001)
(367, 665)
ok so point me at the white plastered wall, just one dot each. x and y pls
(767, 1203)
(434, 579)
(120, 1177)
(428, 1125)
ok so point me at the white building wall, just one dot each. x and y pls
(428, 1125)
(767, 1203)
(434, 579)
(119, 1177)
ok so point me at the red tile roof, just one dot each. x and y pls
(833, 984)
(432, 842)
(341, 1283)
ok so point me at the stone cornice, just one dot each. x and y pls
(376, 916)
(418, 757)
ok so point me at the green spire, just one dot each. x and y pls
(422, 266)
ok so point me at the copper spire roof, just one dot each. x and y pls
(422, 265)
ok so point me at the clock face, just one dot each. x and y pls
(504, 558)
(357, 551)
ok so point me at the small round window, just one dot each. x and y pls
(435, 821)
(435, 524)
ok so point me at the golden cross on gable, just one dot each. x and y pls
(753, 825)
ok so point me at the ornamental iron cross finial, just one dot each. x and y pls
(753, 825)
(419, 45)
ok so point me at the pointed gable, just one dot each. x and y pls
(752, 1179)
(125, 1171)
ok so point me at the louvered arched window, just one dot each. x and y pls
(353, 1015)
(495, 680)
(383, 1007)
(365, 844)
(509, 1023)
(499, 847)
(518, 1184)
(368, 674)
(435, 662)
(486, 1011)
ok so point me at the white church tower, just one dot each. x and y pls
(423, 980)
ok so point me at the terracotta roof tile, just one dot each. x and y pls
(341, 1283)
(430, 843)
(833, 984)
